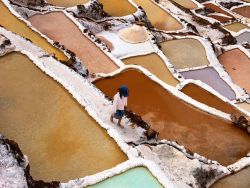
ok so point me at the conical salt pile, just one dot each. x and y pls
(134, 34)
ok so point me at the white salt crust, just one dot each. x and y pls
(113, 133)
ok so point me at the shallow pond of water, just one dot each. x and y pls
(220, 18)
(10, 22)
(60, 139)
(170, 116)
(133, 178)
(245, 106)
(159, 18)
(115, 8)
(216, 9)
(243, 38)
(186, 3)
(185, 53)
(244, 11)
(211, 78)
(236, 27)
(60, 28)
(67, 3)
(240, 179)
(237, 64)
(155, 65)
(208, 98)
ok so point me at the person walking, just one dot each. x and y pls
(120, 102)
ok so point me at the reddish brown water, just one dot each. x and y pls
(60, 139)
(176, 120)
(244, 11)
(60, 28)
(220, 18)
(211, 78)
(216, 9)
(237, 64)
(208, 98)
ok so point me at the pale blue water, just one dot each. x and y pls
(138, 177)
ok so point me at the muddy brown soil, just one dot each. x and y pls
(208, 98)
(176, 120)
(59, 137)
(244, 11)
(60, 28)
(211, 77)
(237, 64)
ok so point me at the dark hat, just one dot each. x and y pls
(123, 90)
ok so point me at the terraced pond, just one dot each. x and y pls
(236, 27)
(192, 54)
(123, 8)
(60, 28)
(60, 139)
(170, 116)
(159, 18)
(10, 22)
(133, 178)
(186, 3)
(245, 106)
(211, 77)
(67, 3)
(243, 11)
(237, 64)
(240, 179)
(208, 98)
(155, 65)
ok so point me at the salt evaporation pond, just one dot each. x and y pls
(236, 27)
(243, 11)
(10, 22)
(60, 28)
(237, 64)
(186, 3)
(211, 78)
(170, 116)
(185, 53)
(155, 65)
(240, 179)
(60, 139)
(220, 18)
(67, 3)
(121, 8)
(245, 106)
(216, 9)
(243, 38)
(203, 96)
(133, 178)
(159, 18)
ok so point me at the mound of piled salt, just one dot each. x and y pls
(134, 34)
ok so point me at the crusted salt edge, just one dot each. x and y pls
(206, 87)
(174, 16)
(7, 4)
(44, 66)
(123, 167)
(234, 14)
(11, 174)
(236, 34)
(219, 14)
(124, 49)
(100, 46)
(170, 89)
(214, 62)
